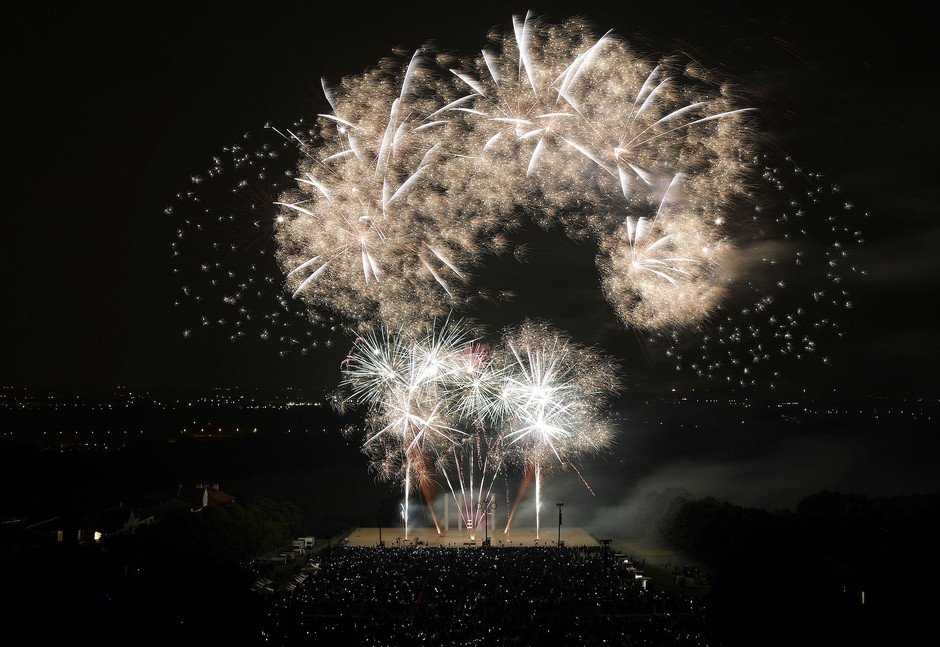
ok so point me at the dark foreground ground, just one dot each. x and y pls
(789, 577)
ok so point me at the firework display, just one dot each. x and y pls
(557, 392)
(440, 405)
(426, 164)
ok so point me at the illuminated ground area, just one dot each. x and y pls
(455, 538)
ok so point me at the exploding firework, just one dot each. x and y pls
(424, 165)
(369, 233)
(664, 270)
(439, 404)
(577, 114)
(408, 384)
(556, 392)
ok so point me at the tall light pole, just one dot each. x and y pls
(379, 512)
(486, 506)
(559, 523)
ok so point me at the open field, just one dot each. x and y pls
(456, 538)
(658, 564)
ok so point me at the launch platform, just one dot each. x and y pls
(455, 538)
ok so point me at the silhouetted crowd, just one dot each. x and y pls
(480, 596)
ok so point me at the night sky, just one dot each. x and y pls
(108, 115)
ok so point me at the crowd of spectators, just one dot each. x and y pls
(480, 596)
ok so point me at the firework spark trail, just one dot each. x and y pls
(769, 324)
(408, 384)
(471, 503)
(474, 382)
(559, 390)
(425, 164)
(348, 234)
(463, 505)
(407, 492)
(664, 271)
(223, 253)
(550, 403)
(415, 177)
(538, 497)
(523, 488)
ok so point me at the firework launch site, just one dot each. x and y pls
(455, 538)
(468, 325)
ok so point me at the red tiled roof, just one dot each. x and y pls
(217, 496)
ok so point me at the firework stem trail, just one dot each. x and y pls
(407, 492)
(523, 488)
(538, 497)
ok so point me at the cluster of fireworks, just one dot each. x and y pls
(442, 406)
(425, 166)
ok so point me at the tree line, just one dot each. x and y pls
(840, 567)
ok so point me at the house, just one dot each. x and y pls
(78, 523)
(194, 498)
(118, 519)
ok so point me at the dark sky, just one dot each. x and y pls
(107, 115)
